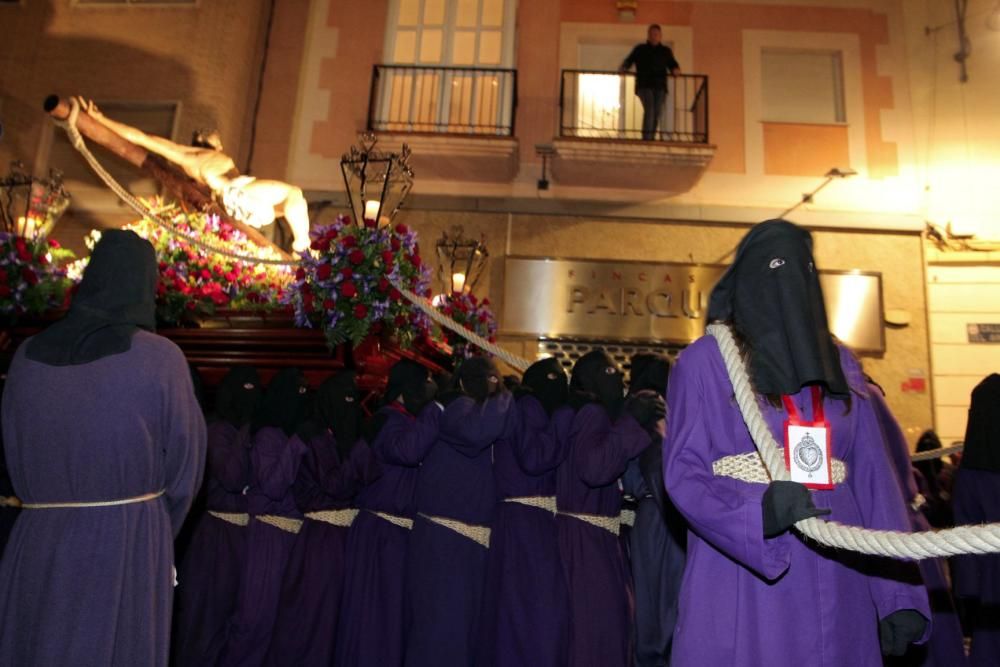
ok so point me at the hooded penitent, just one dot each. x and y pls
(479, 378)
(596, 375)
(772, 297)
(547, 381)
(284, 403)
(411, 382)
(116, 298)
(982, 433)
(238, 396)
(650, 372)
(338, 407)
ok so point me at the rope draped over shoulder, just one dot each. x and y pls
(905, 546)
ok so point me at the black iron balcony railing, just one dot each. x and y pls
(603, 105)
(443, 100)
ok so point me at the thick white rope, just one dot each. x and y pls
(76, 139)
(423, 304)
(906, 546)
(937, 453)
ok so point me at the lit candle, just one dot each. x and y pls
(21, 223)
(458, 282)
(371, 209)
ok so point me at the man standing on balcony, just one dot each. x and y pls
(653, 61)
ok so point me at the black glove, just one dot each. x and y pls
(647, 407)
(784, 504)
(900, 629)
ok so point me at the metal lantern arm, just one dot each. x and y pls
(364, 169)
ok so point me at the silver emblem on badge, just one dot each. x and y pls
(808, 455)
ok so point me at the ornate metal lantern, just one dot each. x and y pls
(461, 261)
(31, 206)
(377, 182)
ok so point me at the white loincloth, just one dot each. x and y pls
(240, 204)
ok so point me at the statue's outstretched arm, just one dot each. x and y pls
(173, 152)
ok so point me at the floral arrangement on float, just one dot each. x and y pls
(470, 312)
(194, 281)
(32, 278)
(345, 283)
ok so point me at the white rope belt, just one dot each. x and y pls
(626, 517)
(401, 521)
(953, 541)
(342, 518)
(234, 518)
(750, 468)
(478, 534)
(612, 524)
(547, 503)
(284, 523)
(10, 501)
(101, 503)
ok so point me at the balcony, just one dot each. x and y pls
(458, 120)
(601, 144)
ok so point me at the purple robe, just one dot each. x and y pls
(370, 627)
(94, 585)
(305, 632)
(275, 459)
(976, 499)
(594, 562)
(747, 600)
(945, 648)
(526, 606)
(446, 571)
(209, 576)
(7, 514)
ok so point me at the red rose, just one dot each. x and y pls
(189, 305)
(387, 256)
(400, 320)
(4, 291)
(323, 271)
(217, 270)
(383, 285)
(54, 244)
(447, 310)
(3, 275)
(347, 272)
(330, 234)
(394, 242)
(370, 223)
(360, 311)
(492, 339)
(161, 289)
(220, 298)
(483, 317)
(329, 304)
(315, 244)
(230, 277)
(29, 276)
(395, 294)
(300, 273)
(486, 302)
(401, 229)
(205, 275)
(348, 289)
(356, 257)
(349, 242)
(472, 298)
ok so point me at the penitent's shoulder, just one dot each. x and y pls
(154, 346)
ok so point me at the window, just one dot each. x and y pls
(802, 86)
(447, 74)
(156, 118)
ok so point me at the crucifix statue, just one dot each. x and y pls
(254, 201)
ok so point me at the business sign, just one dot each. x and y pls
(984, 333)
(610, 300)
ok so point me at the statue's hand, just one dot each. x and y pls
(89, 107)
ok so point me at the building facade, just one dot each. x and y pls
(524, 134)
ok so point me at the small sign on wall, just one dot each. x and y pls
(983, 333)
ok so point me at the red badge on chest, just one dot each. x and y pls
(808, 446)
